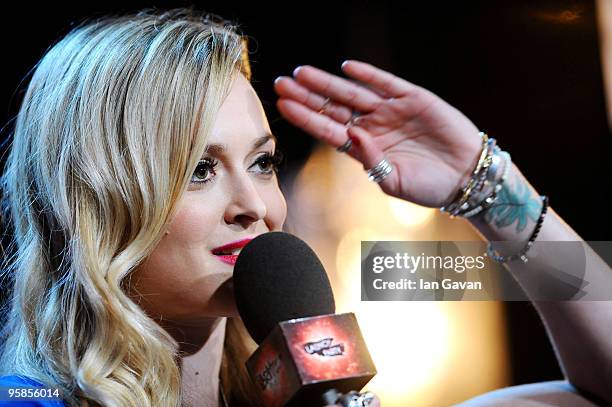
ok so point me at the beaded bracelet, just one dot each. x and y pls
(522, 254)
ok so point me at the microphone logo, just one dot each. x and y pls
(324, 347)
(269, 376)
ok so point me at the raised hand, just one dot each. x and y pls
(432, 146)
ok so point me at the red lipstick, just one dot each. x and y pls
(224, 253)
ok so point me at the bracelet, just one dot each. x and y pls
(482, 163)
(486, 181)
(464, 193)
(490, 198)
(522, 254)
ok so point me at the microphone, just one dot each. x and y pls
(307, 354)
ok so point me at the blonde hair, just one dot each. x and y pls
(111, 127)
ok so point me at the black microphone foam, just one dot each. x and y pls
(278, 277)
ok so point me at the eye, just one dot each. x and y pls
(204, 168)
(269, 162)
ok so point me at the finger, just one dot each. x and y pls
(370, 154)
(391, 85)
(318, 125)
(336, 88)
(289, 88)
(321, 127)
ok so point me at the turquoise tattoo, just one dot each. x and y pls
(512, 205)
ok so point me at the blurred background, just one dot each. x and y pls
(536, 75)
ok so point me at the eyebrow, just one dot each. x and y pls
(220, 148)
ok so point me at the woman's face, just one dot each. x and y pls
(236, 198)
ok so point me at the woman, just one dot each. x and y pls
(115, 209)
(139, 149)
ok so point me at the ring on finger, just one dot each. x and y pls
(324, 106)
(354, 120)
(355, 399)
(380, 171)
(346, 146)
(366, 398)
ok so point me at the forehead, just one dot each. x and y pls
(241, 114)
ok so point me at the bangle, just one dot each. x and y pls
(482, 163)
(522, 254)
(464, 193)
(481, 191)
(497, 184)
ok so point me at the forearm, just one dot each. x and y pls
(581, 331)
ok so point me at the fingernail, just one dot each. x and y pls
(296, 70)
(344, 63)
(278, 79)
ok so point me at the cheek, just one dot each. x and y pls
(184, 249)
(194, 222)
(180, 267)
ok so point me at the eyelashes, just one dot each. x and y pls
(273, 161)
(267, 163)
(204, 167)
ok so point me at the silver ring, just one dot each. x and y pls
(346, 146)
(366, 398)
(355, 399)
(380, 171)
(355, 117)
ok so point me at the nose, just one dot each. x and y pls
(246, 205)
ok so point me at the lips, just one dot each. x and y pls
(228, 253)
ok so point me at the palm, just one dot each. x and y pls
(431, 145)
